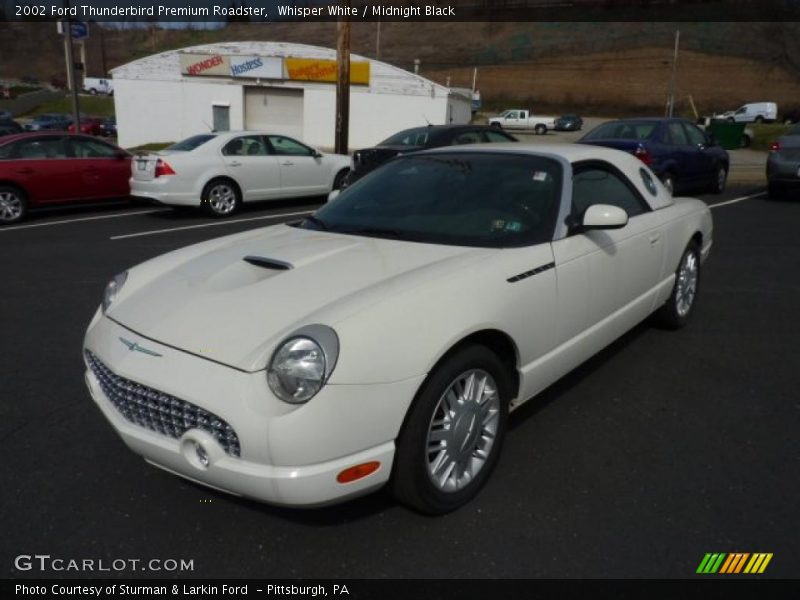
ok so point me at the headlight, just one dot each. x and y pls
(113, 288)
(302, 363)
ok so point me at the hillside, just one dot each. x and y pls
(579, 65)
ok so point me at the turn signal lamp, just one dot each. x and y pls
(358, 472)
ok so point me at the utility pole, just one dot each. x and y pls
(103, 49)
(378, 41)
(673, 84)
(71, 80)
(342, 82)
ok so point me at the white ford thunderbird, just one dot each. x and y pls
(384, 339)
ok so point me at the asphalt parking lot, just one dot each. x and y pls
(665, 446)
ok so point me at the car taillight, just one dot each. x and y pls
(775, 147)
(163, 168)
(643, 155)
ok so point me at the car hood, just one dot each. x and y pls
(217, 305)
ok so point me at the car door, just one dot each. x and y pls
(304, 172)
(684, 154)
(41, 165)
(104, 170)
(249, 161)
(702, 155)
(607, 276)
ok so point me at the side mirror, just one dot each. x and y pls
(333, 194)
(604, 216)
(317, 154)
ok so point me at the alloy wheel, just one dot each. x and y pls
(11, 206)
(222, 199)
(686, 287)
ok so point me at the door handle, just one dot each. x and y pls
(655, 238)
(287, 163)
(235, 163)
(25, 171)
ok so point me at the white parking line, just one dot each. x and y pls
(735, 200)
(95, 218)
(214, 224)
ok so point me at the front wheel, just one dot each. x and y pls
(338, 181)
(677, 310)
(13, 205)
(496, 125)
(452, 438)
(221, 198)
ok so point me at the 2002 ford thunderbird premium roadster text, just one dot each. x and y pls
(385, 338)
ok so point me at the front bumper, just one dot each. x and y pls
(290, 455)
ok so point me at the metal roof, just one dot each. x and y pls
(384, 78)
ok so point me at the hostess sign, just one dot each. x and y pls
(269, 67)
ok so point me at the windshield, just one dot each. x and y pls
(191, 143)
(623, 130)
(463, 199)
(409, 137)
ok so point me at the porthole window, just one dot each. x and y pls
(647, 179)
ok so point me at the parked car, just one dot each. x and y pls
(385, 338)
(58, 83)
(9, 127)
(783, 163)
(682, 155)
(568, 123)
(48, 121)
(220, 171)
(43, 169)
(421, 138)
(755, 112)
(517, 118)
(109, 127)
(89, 126)
(6, 115)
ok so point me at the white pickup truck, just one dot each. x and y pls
(516, 118)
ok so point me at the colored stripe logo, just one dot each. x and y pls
(734, 563)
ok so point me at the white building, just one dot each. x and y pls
(280, 87)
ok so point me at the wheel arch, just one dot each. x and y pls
(227, 177)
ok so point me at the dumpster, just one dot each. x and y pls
(728, 135)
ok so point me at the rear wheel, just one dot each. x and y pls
(540, 129)
(669, 183)
(453, 435)
(677, 310)
(13, 204)
(721, 180)
(221, 198)
(339, 179)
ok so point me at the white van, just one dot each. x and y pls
(755, 112)
(95, 85)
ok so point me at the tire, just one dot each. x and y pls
(677, 311)
(721, 179)
(745, 141)
(669, 182)
(540, 129)
(775, 191)
(731, 120)
(221, 198)
(13, 204)
(496, 125)
(339, 179)
(759, 119)
(435, 417)
(93, 92)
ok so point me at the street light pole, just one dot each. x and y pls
(673, 84)
(71, 79)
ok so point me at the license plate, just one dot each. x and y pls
(141, 165)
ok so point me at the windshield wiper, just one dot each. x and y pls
(317, 221)
(375, 232)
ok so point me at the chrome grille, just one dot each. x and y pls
(158, 411)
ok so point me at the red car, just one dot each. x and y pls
(54, 168)
(89, 126)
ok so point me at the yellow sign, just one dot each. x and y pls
(313, 69)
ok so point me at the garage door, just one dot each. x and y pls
(274, 110)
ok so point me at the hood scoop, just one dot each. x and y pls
(268, 263)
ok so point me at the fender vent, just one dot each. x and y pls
(268, 263)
